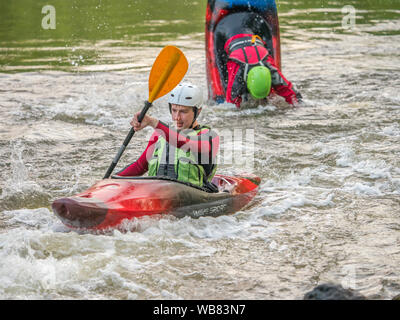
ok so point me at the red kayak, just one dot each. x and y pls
(225, 18)
(111, 201)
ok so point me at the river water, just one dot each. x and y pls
(328, 207)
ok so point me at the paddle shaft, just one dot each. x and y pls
(128, 138)
(155, 92)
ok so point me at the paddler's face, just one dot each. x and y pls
(182, 116)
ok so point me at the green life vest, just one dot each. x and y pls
(175, 163)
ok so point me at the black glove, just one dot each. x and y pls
(299, 97)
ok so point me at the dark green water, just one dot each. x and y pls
(85, 31)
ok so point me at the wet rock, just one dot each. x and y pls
(330, 291)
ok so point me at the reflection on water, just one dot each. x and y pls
(105, 32)
(89, 32)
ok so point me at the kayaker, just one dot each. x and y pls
(250, 67)
(187, 152)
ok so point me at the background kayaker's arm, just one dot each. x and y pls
(282, 86)
(233, 95)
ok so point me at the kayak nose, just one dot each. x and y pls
(79, 213)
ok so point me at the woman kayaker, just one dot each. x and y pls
(250, 66)
(186, 154)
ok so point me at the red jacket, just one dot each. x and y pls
(201, 144)
(242, 51)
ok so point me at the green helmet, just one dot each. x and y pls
(259, 82)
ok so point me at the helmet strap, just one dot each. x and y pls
(246, 71)
(246, 65)
(196, 114)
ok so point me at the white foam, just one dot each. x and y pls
(170, 296)
(36, 264)
(356, 171)
(346, 156)
(187, 231)
(272, 207)
(27, 270)
(269, 209)
(393, 130)
(208, 228)
(362, 189)
(41, 218)
(96, 102)
(230, 110)
(108, 276)
(59, 131)
(373, 169)
(19, 181)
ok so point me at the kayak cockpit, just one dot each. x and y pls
(221, 182)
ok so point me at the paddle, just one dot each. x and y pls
(168, 70)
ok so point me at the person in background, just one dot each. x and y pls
(252, 69)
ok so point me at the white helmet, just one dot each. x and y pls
(186, 94)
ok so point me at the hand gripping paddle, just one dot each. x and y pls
(168, 70)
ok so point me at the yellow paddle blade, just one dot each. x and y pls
(168, 70)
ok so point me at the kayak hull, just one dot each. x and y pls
(111, 201)
(217, 11)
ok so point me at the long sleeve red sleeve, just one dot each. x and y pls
(285, 89)
(140, 166)
(233, 69)
(206, 142)
(203, 143)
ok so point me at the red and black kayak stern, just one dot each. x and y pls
(78, 213)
